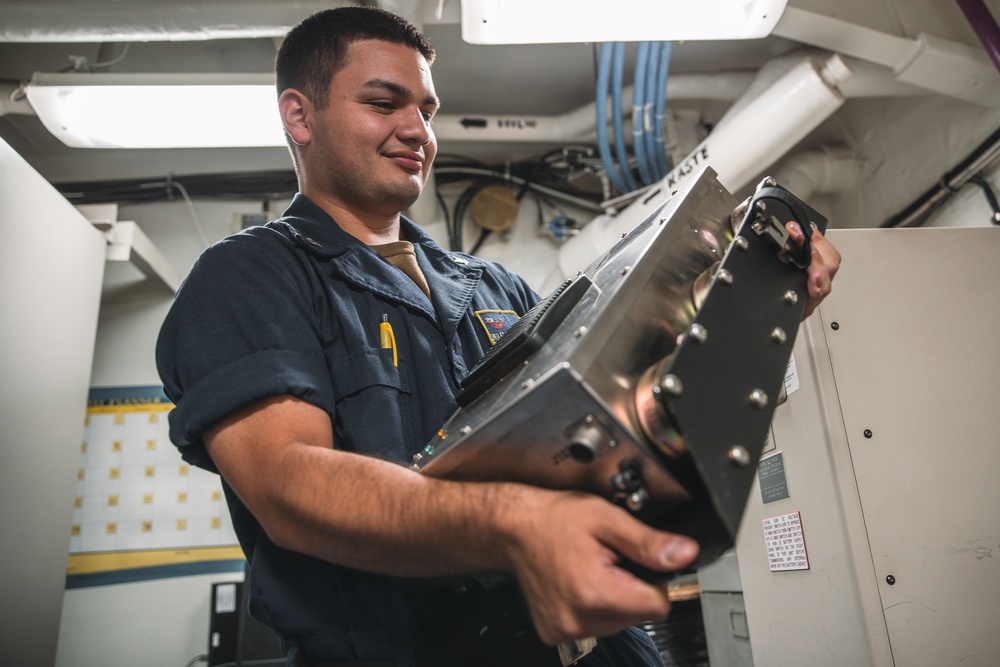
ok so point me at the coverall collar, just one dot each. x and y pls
(452, 277)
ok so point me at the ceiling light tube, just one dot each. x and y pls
(555, 21)
(158, 110)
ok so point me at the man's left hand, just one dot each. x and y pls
(823, 267)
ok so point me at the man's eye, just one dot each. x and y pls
(387, 106)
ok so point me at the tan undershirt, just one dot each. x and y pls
(401, 255)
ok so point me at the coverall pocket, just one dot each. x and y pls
(372, 413)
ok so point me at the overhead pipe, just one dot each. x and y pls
(985, 27)
(769, 125)
(821, 170)
(867, 80)
(747, 143)
(578, 125)
(917, 212)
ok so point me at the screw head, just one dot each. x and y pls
(637, 499)
(739, 455)
(672, 384)
(791, 297)
(868, 433)
(725, 277)
(835, 325)
(758, 398)
(891, 580)
(698, 332)
(741, 242)
(779, 336)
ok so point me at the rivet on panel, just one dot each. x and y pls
(739, 455)
(672, 384)
(758, 398)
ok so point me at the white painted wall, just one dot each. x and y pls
(50, 281)
(160, 623)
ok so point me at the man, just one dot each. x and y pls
(273, 355)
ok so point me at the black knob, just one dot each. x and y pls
(891, 580)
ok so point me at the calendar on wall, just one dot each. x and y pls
(139, 507)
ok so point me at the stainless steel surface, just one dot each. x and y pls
(603, 405)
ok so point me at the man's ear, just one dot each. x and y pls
(295, 109)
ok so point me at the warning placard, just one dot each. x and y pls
(785, 542)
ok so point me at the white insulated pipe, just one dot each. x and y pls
(578, 125)
(739, 87)
(821, 170)
(746, 143)
(763, 130)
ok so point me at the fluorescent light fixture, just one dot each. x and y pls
(552, 21)
(158, 110)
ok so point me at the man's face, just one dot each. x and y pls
(372, 147)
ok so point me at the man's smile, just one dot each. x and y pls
(409, 160)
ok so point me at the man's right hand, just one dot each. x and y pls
(567, 557)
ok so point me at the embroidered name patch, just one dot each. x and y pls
(496, 322)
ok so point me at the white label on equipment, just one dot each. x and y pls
(786, 545)
(791, 377)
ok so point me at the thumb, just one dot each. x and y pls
(655, 549)
(667, 551)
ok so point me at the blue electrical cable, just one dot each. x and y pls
(638, 98)
(601, 107)
(652, 164)
(617, 71)
(661, 102)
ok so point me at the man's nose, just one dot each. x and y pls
(415, 128)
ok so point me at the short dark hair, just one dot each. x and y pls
(316, 49)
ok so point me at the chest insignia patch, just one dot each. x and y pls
(496, 322)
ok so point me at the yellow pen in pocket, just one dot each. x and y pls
(388, 339)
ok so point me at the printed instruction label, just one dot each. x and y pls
(771, 474)
(785, 542)
(792, 384)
